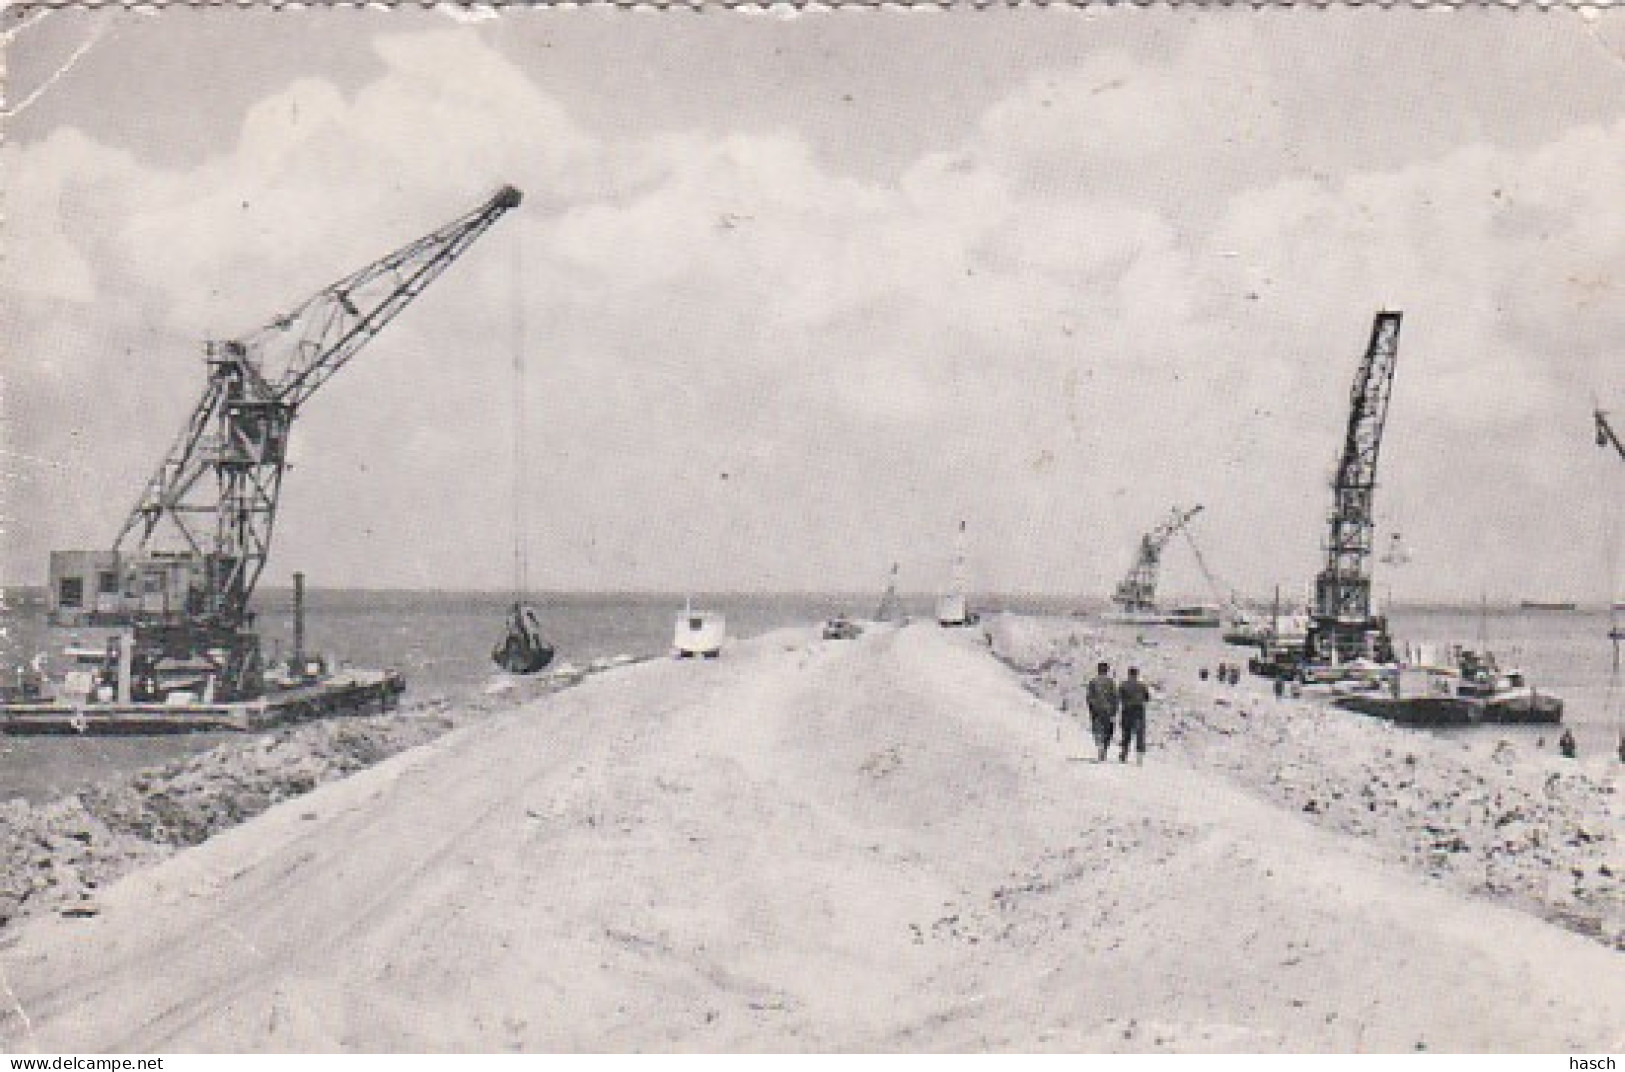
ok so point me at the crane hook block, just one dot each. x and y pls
(508, 197)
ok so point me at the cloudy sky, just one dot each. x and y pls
(796, 294)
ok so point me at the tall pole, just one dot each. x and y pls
(298, 619)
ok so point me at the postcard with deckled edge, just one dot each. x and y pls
(1085, 529)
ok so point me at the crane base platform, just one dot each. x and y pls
(351, 692)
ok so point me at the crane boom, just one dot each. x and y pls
(238, 431)
(1342, 618)
(1136, 593)
(201, 529)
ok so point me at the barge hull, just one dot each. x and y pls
(1456, 711)
(353, 693)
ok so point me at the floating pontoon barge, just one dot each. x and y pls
(347, 692)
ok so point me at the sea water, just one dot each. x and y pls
(442, 642)
(1565, 652)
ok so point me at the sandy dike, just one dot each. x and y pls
(886, 843)
(1490, 816)
(55, 856)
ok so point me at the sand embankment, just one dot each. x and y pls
(1488, 814)
(879, 844)
(55, 856)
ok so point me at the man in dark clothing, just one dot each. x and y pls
(1133, 695)
(1102, 697)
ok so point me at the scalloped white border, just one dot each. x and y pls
(494, 8)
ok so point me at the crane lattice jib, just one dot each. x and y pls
(1343, 588)
(1137, 592)
(239, 429)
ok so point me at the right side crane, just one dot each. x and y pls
(1343, 627)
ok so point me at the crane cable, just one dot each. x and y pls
(521, 580)
(1221, 591)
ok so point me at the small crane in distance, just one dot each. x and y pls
(1136, 593)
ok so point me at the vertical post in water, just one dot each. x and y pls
(298, 658)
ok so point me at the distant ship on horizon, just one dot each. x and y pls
(1538, 604)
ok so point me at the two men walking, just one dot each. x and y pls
(1107, 701)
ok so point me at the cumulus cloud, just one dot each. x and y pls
(746, 369)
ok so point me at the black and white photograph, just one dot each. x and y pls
(812, 528)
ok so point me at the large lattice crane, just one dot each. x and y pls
(190, 553)
(1136, 593)
(1343, 626)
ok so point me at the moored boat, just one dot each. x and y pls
(1197, 616)
(1472, 690)
(102, 680)
(1134, 617)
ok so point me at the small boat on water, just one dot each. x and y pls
(1134, 617)
(1246, 631)
(1197, 616)
(1471, 689)
(1251, 628)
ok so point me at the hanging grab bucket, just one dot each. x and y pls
(522, 650)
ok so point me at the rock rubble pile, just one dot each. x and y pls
(1498, 819)
(55, 856)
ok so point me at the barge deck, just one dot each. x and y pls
(350, 692)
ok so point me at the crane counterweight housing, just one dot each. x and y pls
(183, 569)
